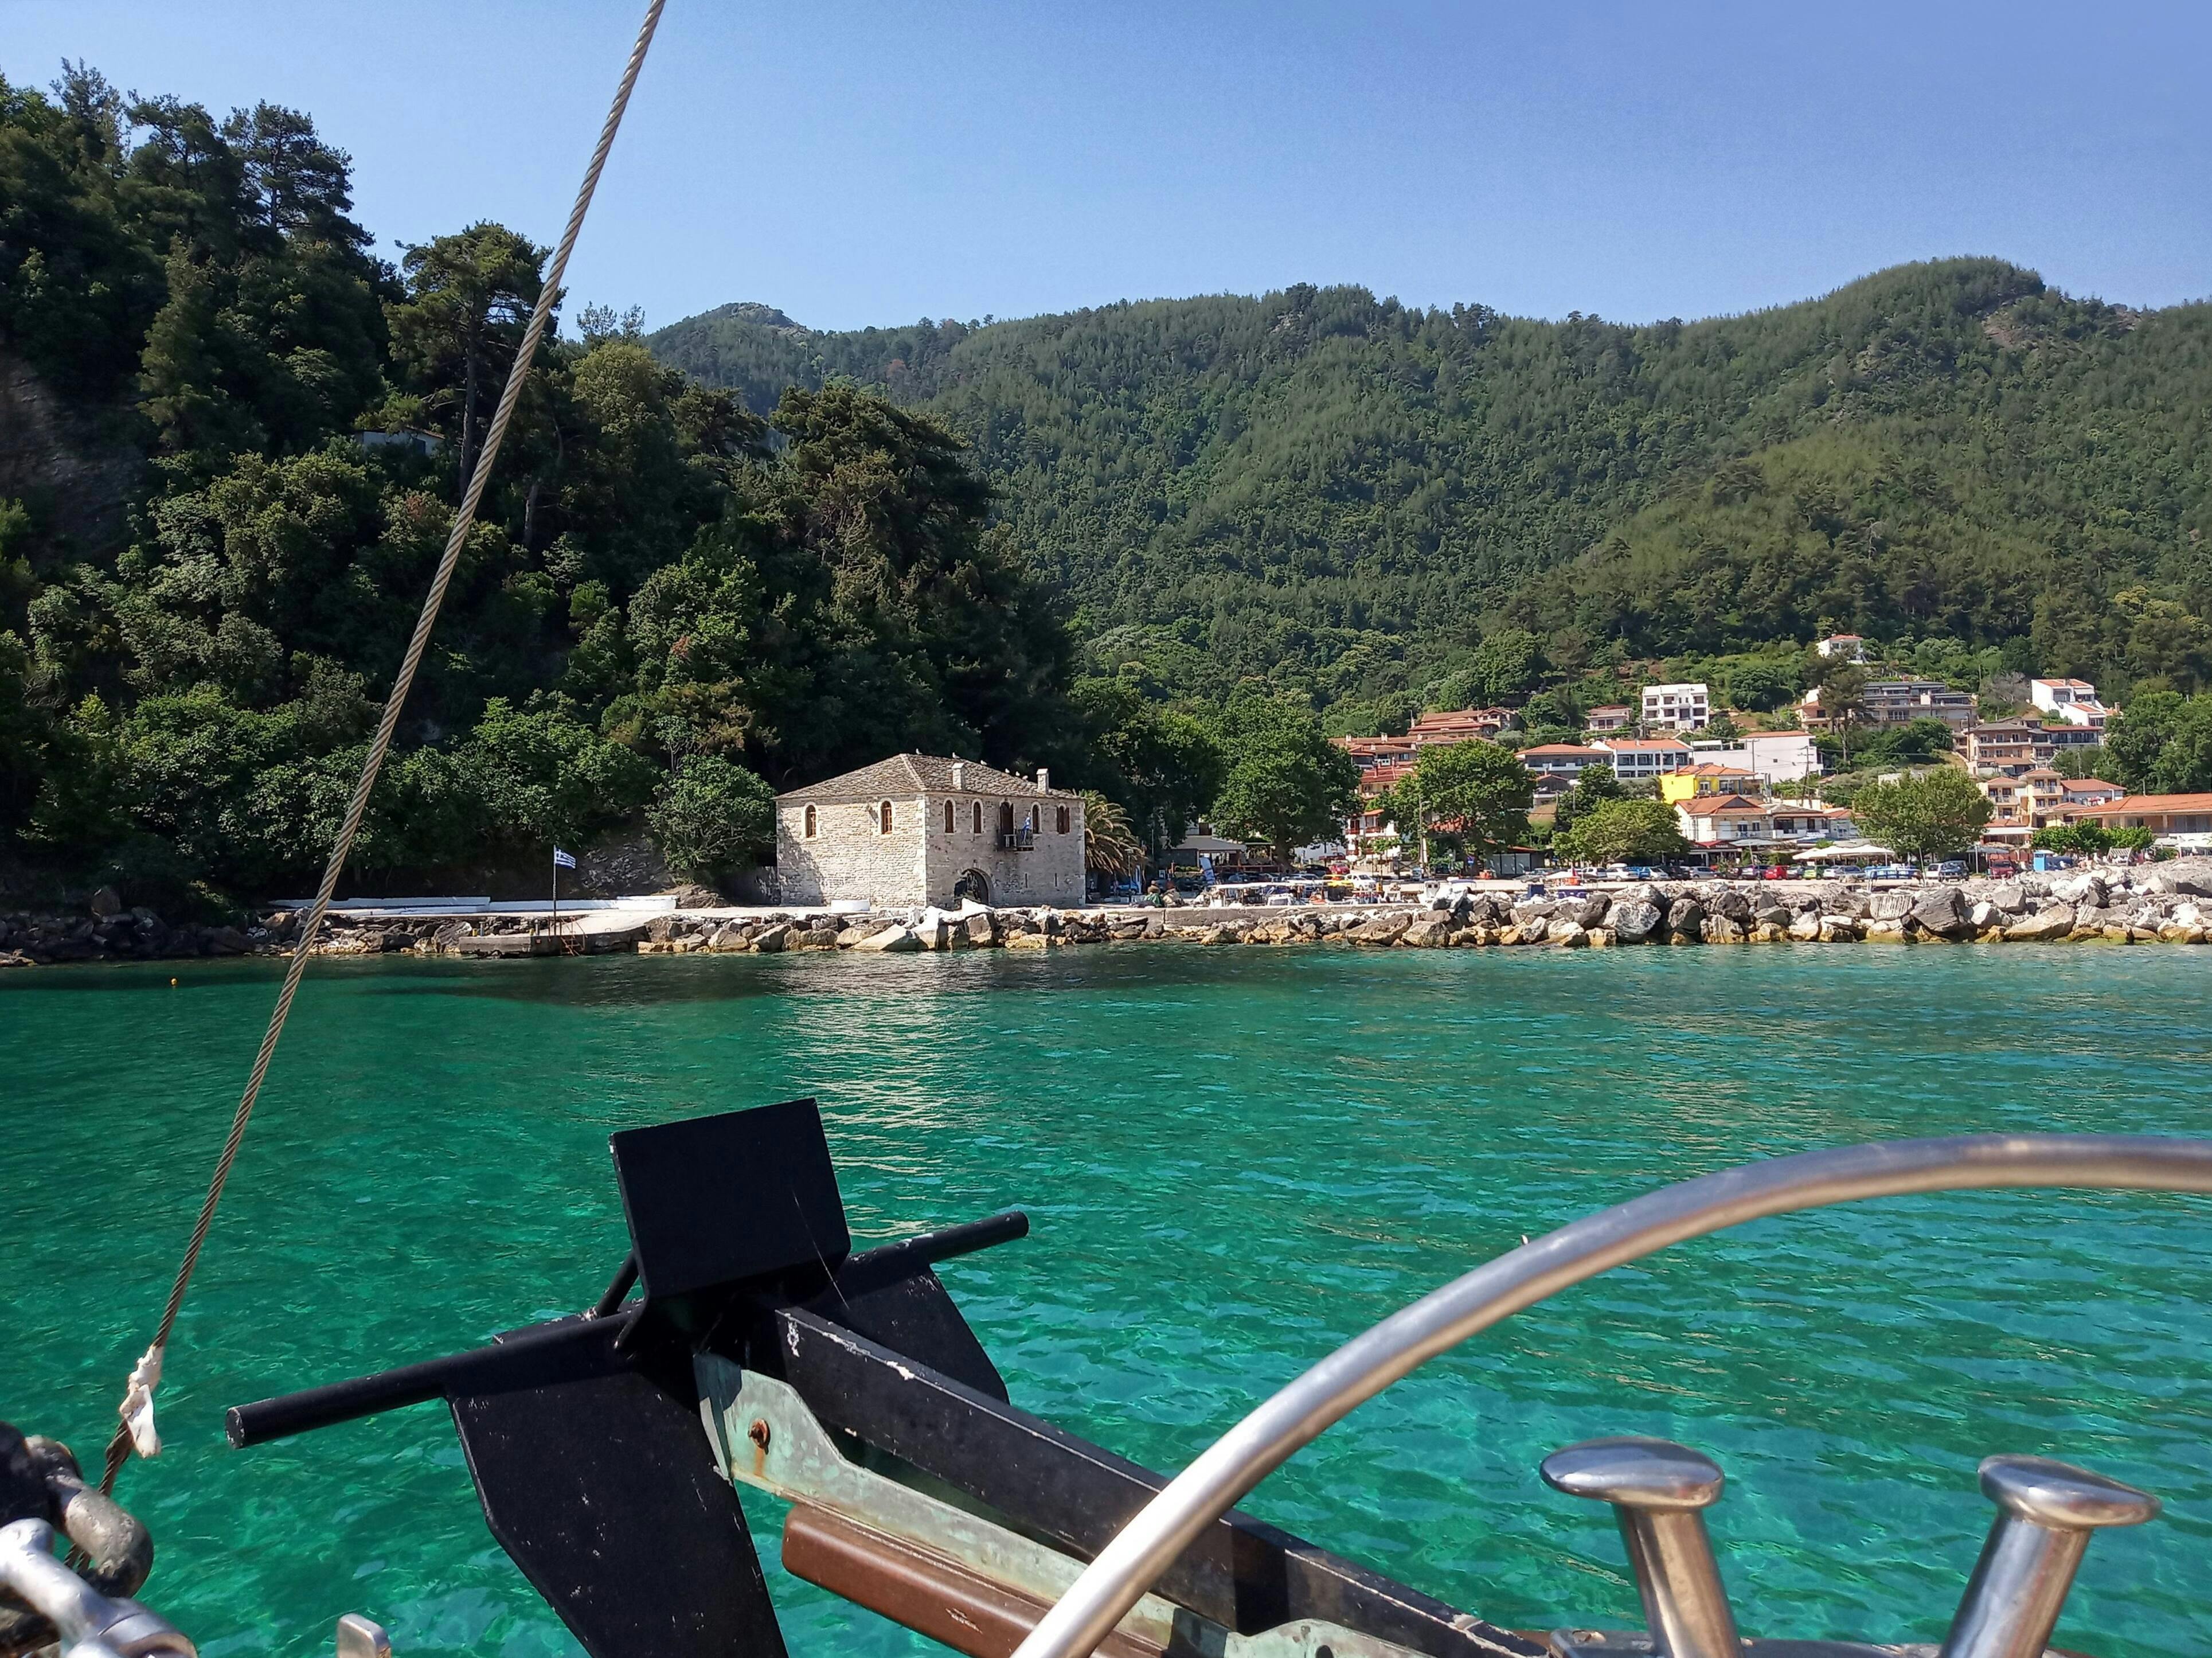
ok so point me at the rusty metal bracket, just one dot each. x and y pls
(765, 1437)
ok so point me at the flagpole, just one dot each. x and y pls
(557, 892)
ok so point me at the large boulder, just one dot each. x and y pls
(1730, 904)
(1722, 929)
(1588, 910)
(2078, 890)
(1568, 934)
(1805, 927)
(1634, 920)
(1891, 906)
(1532, 909)
(2045, 927)
(1431, 932)
(772, 938)
(1937, 910)
(2010, 897)
(899, 938)
(1536, 928)
(2191, 877)
(1685, 919)
(1839, 930)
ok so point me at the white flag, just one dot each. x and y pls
(563, 859)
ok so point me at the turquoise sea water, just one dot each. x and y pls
(1234, 1159)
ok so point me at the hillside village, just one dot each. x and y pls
(1749, 789)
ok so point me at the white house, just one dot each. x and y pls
(1639, 759)
(1563, 761)
(2074, 701)
(1771, 756)
(1849, 646)
(920, 829)
(1685, 707)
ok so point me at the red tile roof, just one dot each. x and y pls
(2152, 805)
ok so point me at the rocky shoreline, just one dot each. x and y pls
(2152, 903)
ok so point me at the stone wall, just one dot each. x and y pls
(849, 857)
(1050, 872)
(919, 863)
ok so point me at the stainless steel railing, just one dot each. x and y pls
(90, 1624)
(1440, 1320)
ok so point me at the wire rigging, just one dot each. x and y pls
(137, 1430)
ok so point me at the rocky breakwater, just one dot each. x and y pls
(2168, 903)
(971, 930)
(109, 932)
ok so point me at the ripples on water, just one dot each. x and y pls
(1233, 1161)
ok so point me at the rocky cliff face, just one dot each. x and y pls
(68, 466)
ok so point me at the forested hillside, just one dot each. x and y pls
(1341, 494)
(231, 442)
(1154, 545)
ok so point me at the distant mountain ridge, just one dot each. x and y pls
(1339, 493)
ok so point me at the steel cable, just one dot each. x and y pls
(140, 1394)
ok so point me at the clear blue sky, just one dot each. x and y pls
(872, 164)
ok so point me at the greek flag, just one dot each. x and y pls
(563, 859)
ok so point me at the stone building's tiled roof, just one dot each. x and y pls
(902, 775)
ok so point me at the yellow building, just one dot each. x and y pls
(1708, 778)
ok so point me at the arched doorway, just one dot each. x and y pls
(1005, 821)
(975, 884)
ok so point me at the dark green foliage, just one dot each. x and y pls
(711, 817)
(1468, 797)
(1764, 683)
(1917, 742)
(1285, 784)
(1935, 814)
(1594, 785)
(2088, 839)
(2163, 744)
(655, 576)
(1161, 766)
(850, 604)
(1621, 831)
(1332, 492)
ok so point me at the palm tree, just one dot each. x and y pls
(1110, 847)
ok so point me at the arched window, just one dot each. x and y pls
(1006, 818)
(948, 817)
(1036, 819)
(1060, 820)
(809, 823)
(979, 817)
(883, 817)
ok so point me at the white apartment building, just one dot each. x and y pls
(2074, 701)
(1639, 759)
(1772, 756)
(1677, 707)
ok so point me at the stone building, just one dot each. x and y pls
(920, 829)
